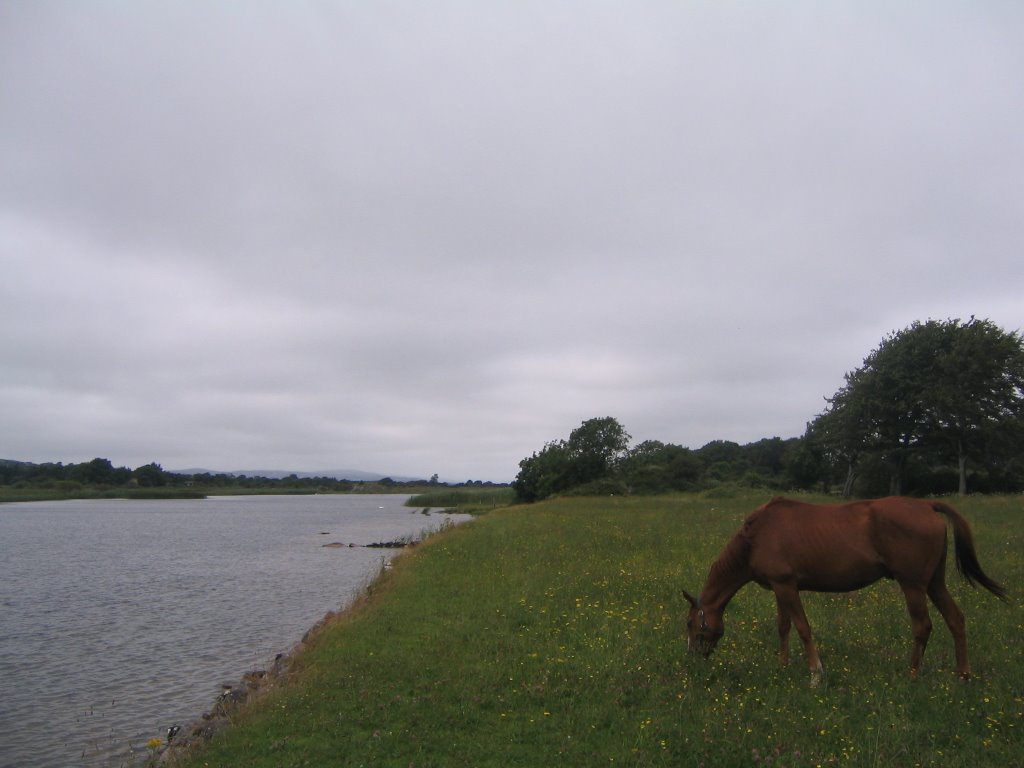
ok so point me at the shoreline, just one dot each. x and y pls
(252, 687)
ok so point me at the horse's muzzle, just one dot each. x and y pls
(704, 644)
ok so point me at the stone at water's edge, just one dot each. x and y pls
(183, 739)
(375, 545)
(392, 544)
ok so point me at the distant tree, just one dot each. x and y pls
(150, 476)
(596, 447)
(723, 460)
(41, 473)
(654, 466)
(720, 452)
(842, 435)
(804, 464)
(544, 473)
(593, 452)
(99, 472)
(767, 456)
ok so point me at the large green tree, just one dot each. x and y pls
(935, 391)
(978, 393)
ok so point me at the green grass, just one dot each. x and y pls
(554, 635)
(468, 500)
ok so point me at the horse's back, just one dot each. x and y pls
(903, 515)
(894, 515)
(910, 534)
(840, 547)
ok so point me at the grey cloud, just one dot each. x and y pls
(429, 239)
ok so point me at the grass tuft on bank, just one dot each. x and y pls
(553, 634)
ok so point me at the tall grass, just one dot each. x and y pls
(554, 635)
(465, 499)
(16, 494)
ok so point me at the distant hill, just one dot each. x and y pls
(277, 474)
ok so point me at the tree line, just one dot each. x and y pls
(101, 474)
(936, 408)
(96, 472)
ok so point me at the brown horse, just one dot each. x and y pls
(787, 546)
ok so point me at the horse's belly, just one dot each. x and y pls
(843, 561)
(850, 585)
(840, 579)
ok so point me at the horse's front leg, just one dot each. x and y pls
(787, 598)
(785, 622)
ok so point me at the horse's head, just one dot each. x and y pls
(704, 627)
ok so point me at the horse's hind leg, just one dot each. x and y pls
(921, 623)
(955, 621)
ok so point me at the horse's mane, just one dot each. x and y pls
(733, 558)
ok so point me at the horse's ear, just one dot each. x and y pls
(691, 598)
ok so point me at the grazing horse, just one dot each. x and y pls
(787, 546)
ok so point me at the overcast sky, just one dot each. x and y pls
(419, 237)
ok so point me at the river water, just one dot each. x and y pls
(119, 619)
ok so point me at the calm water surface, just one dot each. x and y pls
(121, 618)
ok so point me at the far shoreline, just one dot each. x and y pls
(21, 496)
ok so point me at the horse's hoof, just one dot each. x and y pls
(817, 676)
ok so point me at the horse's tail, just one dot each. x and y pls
(966, 557)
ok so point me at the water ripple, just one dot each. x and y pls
(122, 618)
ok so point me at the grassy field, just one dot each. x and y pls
(554, 635)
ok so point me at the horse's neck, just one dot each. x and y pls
(717, 594)
(728, 574)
